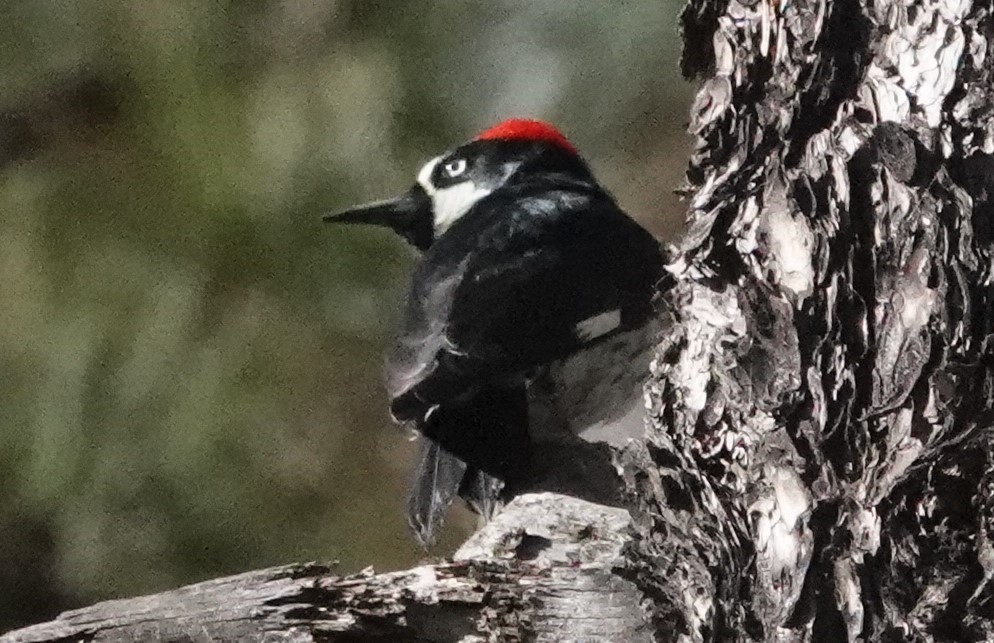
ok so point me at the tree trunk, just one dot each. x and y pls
(818, 459)
(818, 463)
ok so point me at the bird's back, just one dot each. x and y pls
(493, 300)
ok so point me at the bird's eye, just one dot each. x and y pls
(454, 168)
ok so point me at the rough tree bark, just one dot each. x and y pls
(818, 461)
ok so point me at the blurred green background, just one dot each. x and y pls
(190, 362)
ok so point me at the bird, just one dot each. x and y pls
(529, 318)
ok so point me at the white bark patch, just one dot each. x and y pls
(558, 519)
(915, 301)
(848, 596)
(714, 321)
(919, 58)
(744, 227)
(784, 543)
(424, 580)
(788, 246)
(792, 499)
(865, 527)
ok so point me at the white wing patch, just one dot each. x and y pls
(598, 325)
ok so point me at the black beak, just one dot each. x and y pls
(409, 215)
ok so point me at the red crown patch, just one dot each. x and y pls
(526, 129)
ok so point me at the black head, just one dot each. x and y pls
(449, 185)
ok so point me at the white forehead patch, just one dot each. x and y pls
(424, 176)
(450, 203)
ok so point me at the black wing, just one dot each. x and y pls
(508, 288)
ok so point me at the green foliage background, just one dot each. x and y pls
(189, 361)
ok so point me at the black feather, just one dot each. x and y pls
(492, 301)
(482, 491)
(492, 298)
(438, 477)
(489, 430)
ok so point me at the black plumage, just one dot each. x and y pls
(493, 301)
(541, 267)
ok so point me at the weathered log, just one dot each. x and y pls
(543, 571)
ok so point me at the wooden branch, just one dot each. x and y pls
(543, 570)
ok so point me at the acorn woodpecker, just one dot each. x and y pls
(529, 317)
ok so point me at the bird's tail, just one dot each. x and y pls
(471, 450)
(439, 476)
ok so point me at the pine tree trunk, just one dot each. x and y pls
(818, 463)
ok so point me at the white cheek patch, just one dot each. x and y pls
(598, 325)
(451, 203)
